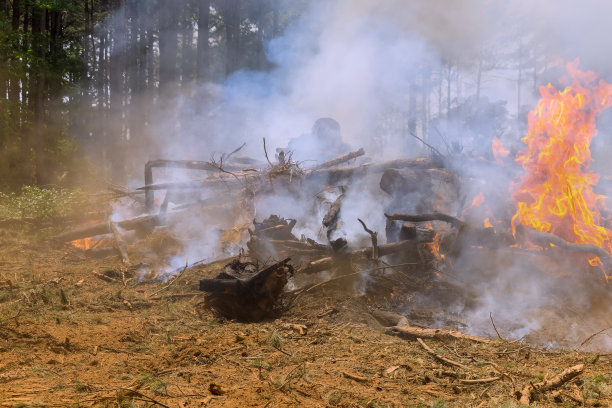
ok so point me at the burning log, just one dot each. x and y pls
(455, 222)
(547, 240)
(331, 217)
(526, 395)
(249, 299)
(143, 223)
(339, 160)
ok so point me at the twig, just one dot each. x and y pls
(330, 280)
(493, 323)
(266, 152)
(480, 381)
(591, 337)
(355, 377)
(146, 397)
(171, 282)
(426, 144)
(439, 357)
(374, 238)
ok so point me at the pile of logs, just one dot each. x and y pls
(247, 292)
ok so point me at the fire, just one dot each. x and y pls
(556, 193)
(477, 201)
(487, 223)
(86, 243)
(498, 150)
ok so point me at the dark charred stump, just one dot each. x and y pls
(247, 299)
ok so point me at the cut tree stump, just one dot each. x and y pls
(248, 299)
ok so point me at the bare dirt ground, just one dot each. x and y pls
(73, 333)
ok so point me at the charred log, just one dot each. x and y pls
(249, 299)
(339, 160)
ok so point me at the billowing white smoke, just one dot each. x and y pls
(358, 61)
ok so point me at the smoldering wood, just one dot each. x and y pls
(330, 262)
(436, 216)
(331, 218)
(143, 222)
(180, 164)
(250, 299)
(323, 176)
(339, 160)
(545, 239)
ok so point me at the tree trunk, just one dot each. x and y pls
(187, 63)
(16, 14)
(231, 17)
(117, 71)
(168, 43)
(203, 49)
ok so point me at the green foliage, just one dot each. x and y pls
(41, 203)
(155, 384)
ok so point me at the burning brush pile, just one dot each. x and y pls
(397, 233)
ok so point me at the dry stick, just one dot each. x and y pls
(591, 337)
(171, 282)
(480, 381)
(439, 357)
(355, 377)
(412, 333)
(548, 385)
(426, 144)
(374, 238)
(146, 397)
(266, 152)
(339, 160)
(493, 323)
(119, 243)
(330, 280)
(436, 216)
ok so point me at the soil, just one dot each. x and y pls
(82, 332)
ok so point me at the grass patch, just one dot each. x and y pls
(155, 384)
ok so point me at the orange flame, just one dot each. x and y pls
(487, 223)
(498, 150)
(556, 193)
(477, 201)
(86, 243)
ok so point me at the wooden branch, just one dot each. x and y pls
(455, 222)
(374, 238)
(480, 381)
(529, 391)
(383, 250)
(143, 222)
(334, 174)
(119, 243)
(355, 377)
(439, 357)
(412, 333)
(332, 215)
(545, 239)
(339, 160)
